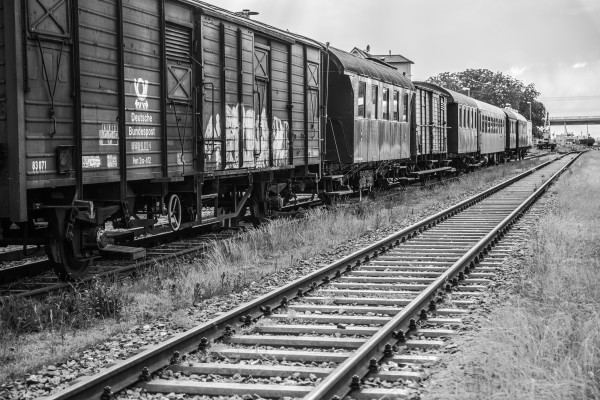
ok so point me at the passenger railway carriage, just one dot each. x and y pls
(113, 112)
(368, 132)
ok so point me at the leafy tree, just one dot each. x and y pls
(497, 89)
(587, 142)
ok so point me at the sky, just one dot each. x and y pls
(554, 44)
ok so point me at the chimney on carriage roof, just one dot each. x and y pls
(246, 13)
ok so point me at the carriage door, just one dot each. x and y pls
(260, 141)
(312, 149)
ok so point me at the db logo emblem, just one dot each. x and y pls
(141, 90)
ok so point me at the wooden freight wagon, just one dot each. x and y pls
(431, 125)
(114, 108)
(461, 126)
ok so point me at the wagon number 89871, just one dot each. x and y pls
(38, 165)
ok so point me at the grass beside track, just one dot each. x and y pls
(544, 341)
(34, 333)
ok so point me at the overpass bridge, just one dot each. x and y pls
(586, 120)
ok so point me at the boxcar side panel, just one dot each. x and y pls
(246, 108)
(261, 104)
(143, 92)
(212, 94)
(439, 128)
(232, 151)
(179, 82)
(99, 91)
(313, 75)
(298, 105)
(49, 103)
(280, 98)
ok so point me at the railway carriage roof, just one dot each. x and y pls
(454, 97)
(489, 108)
(513, 114)
(347, 62)
(272, 31)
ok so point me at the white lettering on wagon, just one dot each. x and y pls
(141, 146)
(39, 165)
(109, 135)
(111, 161)
(141, 118)
(142, 160)
(91, 162)
(138, 131)
(141, 91)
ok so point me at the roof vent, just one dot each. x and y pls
(246, 13)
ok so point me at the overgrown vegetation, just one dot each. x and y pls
(545, 342)
(230, 267)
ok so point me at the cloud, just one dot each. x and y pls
(585, 7)
(579, 65)
(516, 71)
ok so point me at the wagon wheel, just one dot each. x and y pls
(174, 212)
(61, 252)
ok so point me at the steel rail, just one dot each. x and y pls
(124, 374)
(14, 274)
(338, 382)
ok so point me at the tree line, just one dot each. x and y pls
(497, 89)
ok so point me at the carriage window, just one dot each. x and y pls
(460, 116)
(362, 88)
(375, 101)
(405, 108)
(385, 104)
(396, 105)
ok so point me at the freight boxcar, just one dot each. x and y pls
(369, 115)
(114, 108)
(461, 126)
(431, 124)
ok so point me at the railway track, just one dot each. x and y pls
(360, 326)
(34, 277)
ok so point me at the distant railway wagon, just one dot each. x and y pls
(518, 133)
(460, 124)
(431, 124)
(492, 131)
(114, 108)
(368, 130)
